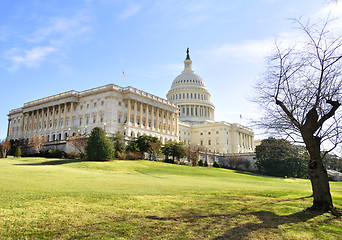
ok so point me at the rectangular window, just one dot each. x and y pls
(102, 103)
(209, 142)
(68, 122)
(74, 122)
(80, 121)
(119, 103)
(119, 120)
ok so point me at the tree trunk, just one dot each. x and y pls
(320, 186)
(318, 175)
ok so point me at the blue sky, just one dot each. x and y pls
(52, 46)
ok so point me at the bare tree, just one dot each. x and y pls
(5, 146)
(155, 147)
(37, 142)
(193, 154)
(301, 93)
(79, 142)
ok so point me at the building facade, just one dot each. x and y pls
(187, 116)
(130, 111)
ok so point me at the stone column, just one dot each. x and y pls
(8, 128)
(157, 125)
(141, 114)
(135, 113)
(71, 113)
(37, 119)
(64, 115)
(146, 116)
(43, 118)
(152, 117)
(176, 125)
(31, 128)
(128, 111)
(59, 116)
(167, 121)
(22, 123)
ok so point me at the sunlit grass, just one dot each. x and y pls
(58, 198)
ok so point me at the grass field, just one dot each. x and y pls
(67, 199)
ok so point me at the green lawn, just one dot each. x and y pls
(66, 199)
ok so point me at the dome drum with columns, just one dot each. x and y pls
(188, 91)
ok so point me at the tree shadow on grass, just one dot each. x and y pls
(269, 220)
(51, 162)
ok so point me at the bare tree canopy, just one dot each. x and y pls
(37, 142)
(300, 93)
(79, 142)
(5, 146)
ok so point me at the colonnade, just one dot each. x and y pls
(245, 141)
(42, 120)
(151, 117)
(196, 110)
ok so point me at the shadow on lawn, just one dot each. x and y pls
(52, 162)
(269, 220)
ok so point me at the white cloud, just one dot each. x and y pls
(59, 28)
(28, 58)
(130, 11)
(55, 35)
(247, 51)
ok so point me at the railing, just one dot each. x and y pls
(53, 97)
(142, 93)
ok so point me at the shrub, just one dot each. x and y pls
(205, 164)
(200, 163)
(72, 155)
(133, 155)
(216, 164)
(54, 154)
(121, 155)
(99, 146)
(167, 160)
(17, 152)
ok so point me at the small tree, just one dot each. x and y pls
(193, 154)
(79, 142)
(174, 149)
(155, 147)
(37, 142)
(17, 152)
(99, 146)
(119, 143)
(5, 147)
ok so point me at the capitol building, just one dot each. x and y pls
(187, 115)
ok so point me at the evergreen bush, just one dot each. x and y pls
(99, 146)
(17, 152)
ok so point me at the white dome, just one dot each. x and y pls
(188, 91)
